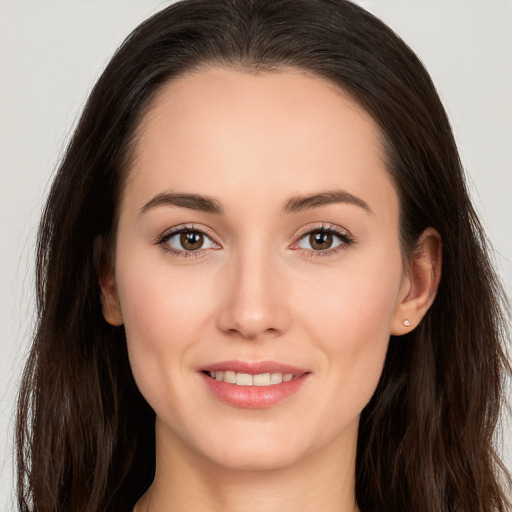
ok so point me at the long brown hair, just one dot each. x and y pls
(85, 434)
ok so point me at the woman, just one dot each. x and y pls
(261, 282)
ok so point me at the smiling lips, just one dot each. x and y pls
(253, 385)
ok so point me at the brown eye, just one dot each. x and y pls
(323, 240)
(191, 240)
(188, 240)
(320, 240)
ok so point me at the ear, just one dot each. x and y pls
(106, 276)
(420, 284)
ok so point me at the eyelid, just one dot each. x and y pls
(323, 226)
(344, 235)
(169, 233)
(188, 227)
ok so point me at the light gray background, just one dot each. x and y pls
(51, 52)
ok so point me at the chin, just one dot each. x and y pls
(256, 459)
(265, 450)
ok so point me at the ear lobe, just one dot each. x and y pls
(423, 278)
(109, 299)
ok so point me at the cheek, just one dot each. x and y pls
(157, 300)
(349, 316)
(351, 301)
(164, 316)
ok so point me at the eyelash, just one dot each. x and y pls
(345, 238)
(167, 235)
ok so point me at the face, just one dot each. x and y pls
(258, 242)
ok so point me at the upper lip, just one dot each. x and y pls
(253, 367)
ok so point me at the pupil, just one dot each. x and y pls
(191, 240)
(320, 241)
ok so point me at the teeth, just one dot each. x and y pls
(243, 379)
(246, 379)
(262, 379)
(276, 378)
(230, 377)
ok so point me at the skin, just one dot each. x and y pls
(260, 291)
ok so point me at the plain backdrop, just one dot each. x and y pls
(51, 53)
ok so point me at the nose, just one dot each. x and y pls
(253, 295)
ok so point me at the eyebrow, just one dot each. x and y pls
(190, 201)
(300, 203)
(295, 204)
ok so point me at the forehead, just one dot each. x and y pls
(226, 132)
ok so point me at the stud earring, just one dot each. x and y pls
(406, 323)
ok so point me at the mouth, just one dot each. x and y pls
(253, 385)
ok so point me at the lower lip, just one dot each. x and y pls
(254, 397)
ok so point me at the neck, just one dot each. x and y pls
(185, 480)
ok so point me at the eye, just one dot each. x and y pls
(323, 240)
(319, 241)
(189, 241)
(185, 240)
